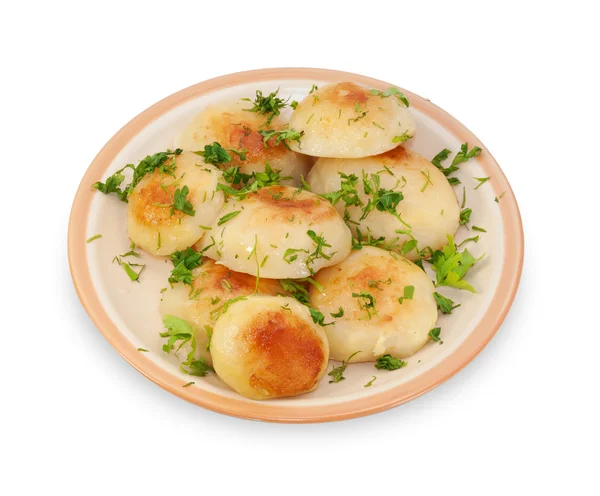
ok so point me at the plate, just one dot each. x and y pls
(127, 313)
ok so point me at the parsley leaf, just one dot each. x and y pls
(465, 216)
(388, 362)
(337, 373)
(347, 192)
(266, 105)
(215, 154)
(451, 266)
(162, 161)
(318, 253)
(462, 156)
(389, 92)
(282, 136)
(184, 262)
(180, 332)
(402, 138)
(382, 199)
(435, 333)
(370, 383)
(339, 314)
(446, 305)
(181, 203)
(409, 292)
(228, 216)
(482, 181)
(366, 301)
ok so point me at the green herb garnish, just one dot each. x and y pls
(409, 292)
(337, 373)
(482, 181)
(435, 333)
(227, 217)
(388, 362)
(446, 305)
(269, 105)
(392, 91)
(97, 236)
(180, 332)
(282, 136)
(370, 383)
(451, 266)
(215, 154)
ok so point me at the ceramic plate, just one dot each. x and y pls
(127, 313)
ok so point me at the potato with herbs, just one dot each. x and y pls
(253, 134)
(398, 195)
(278, 232)
(382, 304)
(348, 120)
(268, 347)
(200, 296)
(167, 207)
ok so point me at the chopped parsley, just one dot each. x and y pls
(347, 192)
(180, 333)
(339, 314)
(337, 373)
(366, 301)
(161, 161)
(143, 350)
(282, 136)
(228, 216)
(216, 313)
(498, 198)
(451, 266)
(409, 292)
(392, 91)
(184, 262)
(446, 305)
(482, 181)
(97, 236)
(462, 156)
(300, 294)
(318, 253)
(215, 154)
(294, 104)
(382, 199)
(402, 138)
(477, 228)
(188, 384)
(370, 383)
(388, 362)
(465, 216)
(269, 106)
(181, 203)
(250, 183)
(434, 334)
(427, 176)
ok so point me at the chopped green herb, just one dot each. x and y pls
(337, 373)
(133, 275)
(383, 199)
(318, 253)
(97, 236)
(143, 350)
(146, 166)
(389, 92)
(188, 384)
(465, 216)
(462, 156)
(181, 203)
(215, 314)
(313, 89)
(282, 136)
(366, 301)
(215, 154)
(475, 239)
(427, 176)
(482, 180)
(388, 362)
(409, 292)
(180, 332)
(291, 254)
(227, 217)
(446, 305)
(370, 383)
(267, 105)
(435, 333)
(375, 284)
(451, 266)
(498, 198)
(294, 104)
(378, 125)
(402, 138)
(209, 333)
(480, 229)
(339, 314)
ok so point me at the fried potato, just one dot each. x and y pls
(154, 225)
(231, 126)
(200, 305)
(367, 286)
(429, 209)
(268, 347)
(344, 120)
(279, 232)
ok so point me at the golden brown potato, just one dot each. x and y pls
(429, 206)
(367, 286)
(345, 120)
(275, 232)
(201, 304)
(268, 347)
(154, 225)
(232, 127)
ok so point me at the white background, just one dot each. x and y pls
(522, 418)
